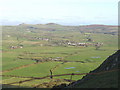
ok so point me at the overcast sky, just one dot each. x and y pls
(67, 12)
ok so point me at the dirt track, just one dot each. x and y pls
(23, 66)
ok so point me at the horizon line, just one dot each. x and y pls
(51, 23)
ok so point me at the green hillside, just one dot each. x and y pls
(104, 76)
(32, 51)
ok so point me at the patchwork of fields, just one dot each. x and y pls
(35, 50)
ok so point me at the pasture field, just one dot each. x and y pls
(33, 50)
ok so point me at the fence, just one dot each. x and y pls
(69, 80)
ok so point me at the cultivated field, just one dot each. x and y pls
(34, 50)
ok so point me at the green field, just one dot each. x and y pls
(25, 45)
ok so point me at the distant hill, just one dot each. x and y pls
(95, 28)
(52, 24)
(100, 25)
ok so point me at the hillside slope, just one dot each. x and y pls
(105, 76)
(101, 80)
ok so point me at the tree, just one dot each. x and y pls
(90, 40)
(97, 46)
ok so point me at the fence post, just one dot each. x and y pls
(20, 83)
(71, 76)
(51, 74)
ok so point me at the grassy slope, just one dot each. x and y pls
(107, 80)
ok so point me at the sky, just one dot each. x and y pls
(65, 12)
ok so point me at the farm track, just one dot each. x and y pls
(23, 66)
